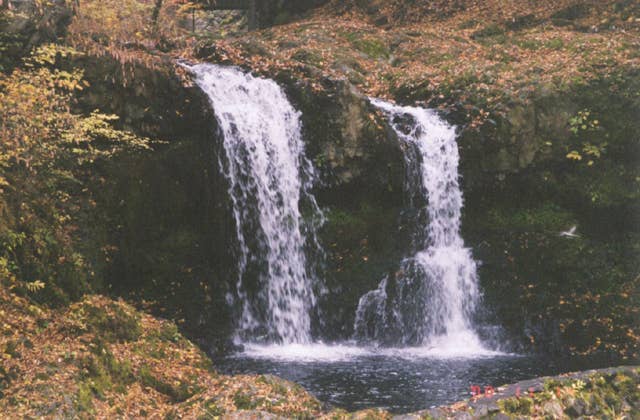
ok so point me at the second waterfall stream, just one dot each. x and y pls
(430, 302)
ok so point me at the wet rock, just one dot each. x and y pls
(482, 409)
(252, 415)
(577, 408)
(411, 416)
(553, 409)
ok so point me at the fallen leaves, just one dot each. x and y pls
(80, 362)
(440, 59)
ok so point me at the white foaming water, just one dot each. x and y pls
(315, 352)
(431, 300)
(269, 177)
(345, 352)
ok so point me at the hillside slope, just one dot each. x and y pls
(101, 358)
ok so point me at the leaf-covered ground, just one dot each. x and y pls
(483, 55)
(101, 358)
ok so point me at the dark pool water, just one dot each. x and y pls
(400, 381)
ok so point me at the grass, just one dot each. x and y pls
(372, 47)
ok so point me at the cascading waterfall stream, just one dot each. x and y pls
(432, 298)
(270, 179)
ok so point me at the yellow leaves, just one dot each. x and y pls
(32, 109)
(48, 53)
(34, 286)
(97, 126)
(574, 155)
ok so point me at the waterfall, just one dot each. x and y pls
(269, 184)
(431, 300)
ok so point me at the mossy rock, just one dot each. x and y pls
(178, 391)
(109, 321)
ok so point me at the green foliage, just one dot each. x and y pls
(583, 126)
(519, 406)
(547, 218)
(168, 332)
(308, 57)
(494, 32)
(103, 371)
(551, 385)
(555, 44)
(212, 410)
(84, 398)
(50, 169)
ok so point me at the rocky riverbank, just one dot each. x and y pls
(601, 393)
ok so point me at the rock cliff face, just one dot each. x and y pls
(523, 189)
(172, 228)
(360, 189)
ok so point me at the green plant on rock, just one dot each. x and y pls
(101, 372)
(373, 47)
(519, 406)
(578, 385)
(169, 332)
(583, 126)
